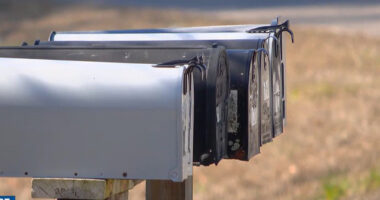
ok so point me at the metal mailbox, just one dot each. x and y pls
(62, 118)
(244, 105)
(140, 104)
(237, 37)
(210, 95)
(232, 37)
(242, 143)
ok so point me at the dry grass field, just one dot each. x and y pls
(331, 146)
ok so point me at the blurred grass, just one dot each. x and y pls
(340, 185)
(372, 181)
(335, 189)
(330, 149)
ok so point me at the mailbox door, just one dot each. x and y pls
(243, 112)
(266, 127)
(275, 62)
(254, 107)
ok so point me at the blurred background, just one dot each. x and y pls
(331, 145)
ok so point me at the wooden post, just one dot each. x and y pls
(168, 190)
(91, 189)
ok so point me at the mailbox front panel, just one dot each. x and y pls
(273, 47)
(254, 107)
(93, 120)
(266, 129)
(243, 112)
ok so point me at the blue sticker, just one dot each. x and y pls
(7, 198)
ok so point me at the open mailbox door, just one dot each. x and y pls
(84, 119)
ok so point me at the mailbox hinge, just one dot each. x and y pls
(195, 62)
(277, 29)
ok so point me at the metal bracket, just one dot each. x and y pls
(276, 42)
(195, 62)
(277, 29)
(261, 50)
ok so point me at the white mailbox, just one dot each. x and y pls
(63, 118)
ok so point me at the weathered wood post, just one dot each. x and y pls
(168, 190)
(90, 189)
